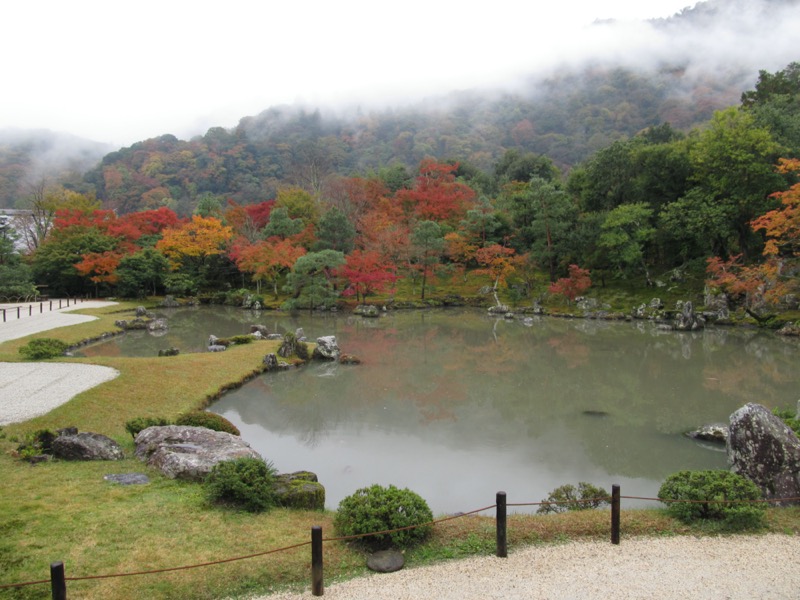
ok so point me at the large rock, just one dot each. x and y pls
(765, 450)
(86, 446)
(189, 452)
(300, 490)
(327, 348)
(386, 561)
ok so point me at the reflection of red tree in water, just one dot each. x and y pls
(567, 347)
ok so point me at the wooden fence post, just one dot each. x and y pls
(317, 585)
(58, 584)
(615, 514)
(502, 538)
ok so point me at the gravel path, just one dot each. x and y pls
(28, 390)
(731, 567)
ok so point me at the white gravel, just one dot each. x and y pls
(731, 567)
(28, 390)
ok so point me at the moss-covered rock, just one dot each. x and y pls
(300, 490)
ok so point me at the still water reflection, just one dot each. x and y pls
(457, 406)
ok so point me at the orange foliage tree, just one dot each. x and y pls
(195, 241)
(268, 259)
(764, 284)
(572, 286)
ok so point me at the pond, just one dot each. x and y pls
(456, 405)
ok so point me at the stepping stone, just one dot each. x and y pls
(127, 478)
(386, 561)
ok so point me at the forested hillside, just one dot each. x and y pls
(586, 176)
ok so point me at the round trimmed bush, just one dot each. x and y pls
(209, 420)
(245, 482)
(377, 508)
(705, 496)
(42, 348)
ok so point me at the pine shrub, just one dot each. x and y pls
(714, 495)
(43, 348)
(247, 483)
(377, 508)
(568, 497)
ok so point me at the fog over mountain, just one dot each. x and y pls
(120, 73)
(436, 59)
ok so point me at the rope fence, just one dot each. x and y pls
(58, 579)
(19, 310)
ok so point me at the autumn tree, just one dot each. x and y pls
(197, 248)
(267, 260)
(497, 262)
(100, 267)
(572, 286)
(436, 195)
(367, 273)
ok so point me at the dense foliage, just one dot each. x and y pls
(247, 483)
(134, 426)
(43, 348)
(201, 418)
(568, 497)
(378, 509)
(284, 201)
(713, 496)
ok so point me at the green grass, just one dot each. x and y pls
(66, 511)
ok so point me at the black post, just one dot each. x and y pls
(40, 308)
(51, 305)
(30, 309)
(4, 315)
(59, 303)
(615, 512)
(58, 584)
(502, 538)
(317, 585)
(18, 312)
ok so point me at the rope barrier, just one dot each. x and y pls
(388, 531)
(409, 527)
(670, 500)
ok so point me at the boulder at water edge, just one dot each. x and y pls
(764, 449)
(86, 446)
(300, 490)
(327, 348)
(182, 452)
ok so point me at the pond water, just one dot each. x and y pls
(456, 405)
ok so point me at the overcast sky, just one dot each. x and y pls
(120, 71)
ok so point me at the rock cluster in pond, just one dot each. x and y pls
(715, 432)
(182, 452)
(71, 445)
(764, 449)
(327, 348)
(367, 310)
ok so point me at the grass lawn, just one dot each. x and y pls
(66, 511)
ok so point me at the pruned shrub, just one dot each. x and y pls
(714, 495)
(134, 426)
(568, 497)
(209, 420)
(37, 443)
(377, 508)
(247, 483)
(42, 348)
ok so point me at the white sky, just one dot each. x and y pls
(120, 71)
